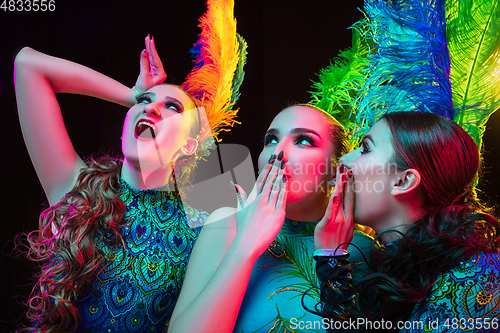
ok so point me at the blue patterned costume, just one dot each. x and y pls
(138, 286)
(465, 297)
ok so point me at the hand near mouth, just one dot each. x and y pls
(261, 215)
(336, 229)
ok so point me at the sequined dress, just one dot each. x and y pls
(137, 289)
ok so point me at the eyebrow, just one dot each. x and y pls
(369, 137)
(273, 131)
(298, 130)
(147, 93)
(304, 131)
(168, 99)
(173, 100)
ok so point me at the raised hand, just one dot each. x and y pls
(336, 228)
(152, 72)
(260, 218)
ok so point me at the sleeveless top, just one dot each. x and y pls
(139, 282)
(281, 275)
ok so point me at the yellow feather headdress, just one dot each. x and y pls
(219, 57)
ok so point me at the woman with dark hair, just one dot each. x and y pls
(251, 265)
(412, 180)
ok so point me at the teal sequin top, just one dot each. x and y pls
(137, 288)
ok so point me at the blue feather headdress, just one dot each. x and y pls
(429, 55)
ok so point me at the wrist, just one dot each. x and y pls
(136, 92)
(244, 249)
(330, 252)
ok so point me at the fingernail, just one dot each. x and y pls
(341, 168)
(349, 173)
(280, 156)
(235, 188)
(271, 160)
(284, 179)
(282, 164)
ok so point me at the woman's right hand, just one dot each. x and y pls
(152, 72)
(262, 214)
(336, 229)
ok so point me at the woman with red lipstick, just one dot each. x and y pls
(251, 265)
(439, 269)
(115, 241)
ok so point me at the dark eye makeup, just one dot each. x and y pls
(173, 104)
(270, 139)
(170, 102)
(307, 138)
(364, 145)
(143, 98)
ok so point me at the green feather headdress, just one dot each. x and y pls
(422, 58)
(473, 31)
(340, 82)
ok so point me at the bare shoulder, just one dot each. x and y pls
(219, 229)
(224, 217)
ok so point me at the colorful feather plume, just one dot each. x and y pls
(219, 57)
(340, 82)
(410, 70)
(400, 63)
(473, 30)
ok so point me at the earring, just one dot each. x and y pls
(332, 182)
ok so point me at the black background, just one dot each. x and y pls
(288, 43)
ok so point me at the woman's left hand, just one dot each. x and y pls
(152, 72)
(336, 229)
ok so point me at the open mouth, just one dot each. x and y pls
(145, 128)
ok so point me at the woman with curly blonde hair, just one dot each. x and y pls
(114, 243)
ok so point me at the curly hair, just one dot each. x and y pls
(65, 244)
(183, 170)
(456, 224)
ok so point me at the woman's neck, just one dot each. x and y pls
(143, 179)
(307, 211)
(400, 219)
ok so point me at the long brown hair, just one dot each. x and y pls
(456, 224)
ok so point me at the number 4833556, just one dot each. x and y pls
(28, 5)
